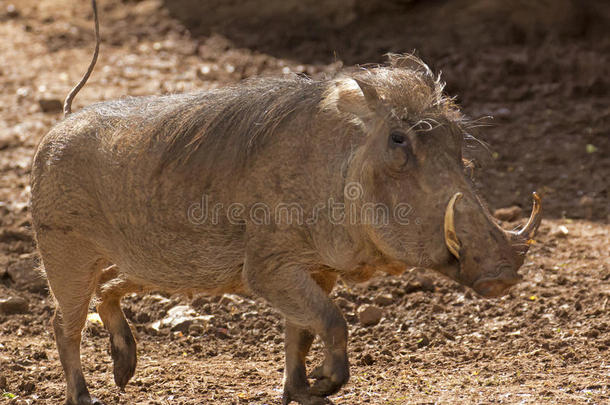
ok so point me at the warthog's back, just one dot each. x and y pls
(124, 174)
(100, 176)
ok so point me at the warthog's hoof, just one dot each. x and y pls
(303, 397)
(328, 383)
(125, 359)
(85, 400)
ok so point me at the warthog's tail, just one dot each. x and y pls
(76, 89)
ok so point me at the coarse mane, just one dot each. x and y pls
(407, 87)
(230, 123)
(219, 129)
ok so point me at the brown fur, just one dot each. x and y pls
(114, 185)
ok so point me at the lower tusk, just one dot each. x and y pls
(529, 230)
(451, 239)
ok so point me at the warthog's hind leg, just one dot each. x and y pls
(72, 275)
(122, 343)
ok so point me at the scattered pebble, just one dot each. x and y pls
(11, 235)
(11, 11)
(23, 272)
(27, 387)
(423, 341)
(50, 105)
(344, 303)
(586, 203)
(422, 283)
(13, 305)
(367, 360)
(561, 232)
(369, 315)
(180, 318)
(508, 214)
(384, 300)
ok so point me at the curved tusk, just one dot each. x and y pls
(451, 239)
(529, 230)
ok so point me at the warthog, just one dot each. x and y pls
(114, 186)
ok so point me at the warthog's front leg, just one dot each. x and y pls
(290, 288)
(298, 342)
(296, 387)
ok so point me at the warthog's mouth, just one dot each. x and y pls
(488, 286)
(495, 287)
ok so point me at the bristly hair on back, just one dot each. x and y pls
(230, 122)
(227, 125)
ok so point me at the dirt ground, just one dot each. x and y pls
(541, 69)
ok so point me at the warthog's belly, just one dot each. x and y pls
(174, 263)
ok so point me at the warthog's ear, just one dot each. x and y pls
(351, 96)
(370, 94)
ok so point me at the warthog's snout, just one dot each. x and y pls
(489, 265)
(499, 285)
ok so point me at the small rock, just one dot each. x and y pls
(7, 141)
(14, 235)
(26, 276)
(367, 360)
(427, 283)
(40, 355)
(182, 326)
(180, 318)
(561, 232)
(586, 203)
(421, 283)
(508, 214)
(50, 105)
(592, 333)
(11, 11)
(343, 303)
(27, 387)
(196, 329)
(200, 301)
(223, 333)
(142, 317)
(423, 341)
(13, 305)
(3, 383)
(384, 300)
(227, 299)
(369, 315)
(413, 286)
(386, 352)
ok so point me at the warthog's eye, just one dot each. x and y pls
(398, 138)
(399, 148)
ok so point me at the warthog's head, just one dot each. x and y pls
(411, 161)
